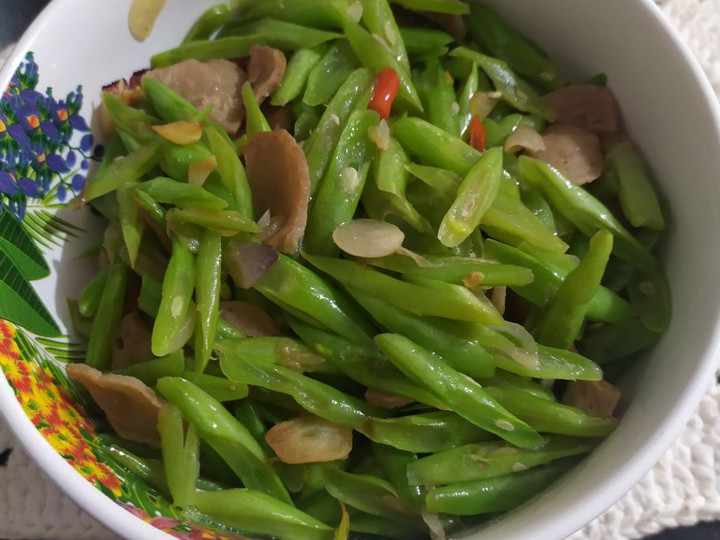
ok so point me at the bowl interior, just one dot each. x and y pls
(670, 112)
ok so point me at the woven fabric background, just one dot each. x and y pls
(682, 489)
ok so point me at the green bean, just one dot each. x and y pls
(314, 396)
(124, 170)
(326, 14)
(248, 414)
(251, 510)
(584, 211)
(649, 294)
(492, 32)
(297, 73)
(339, 192)
(552, 417)
(222, 222)
(497, 131)
(604, 306)
(107, 318)
(352, 96)
(169, 105)
(219, 388)
(434, 146)
(514, 90)
(181, 455)
(380, 21)
(385, 195)
(505, 379)
(270, 32)
(550, 363)
(292, 285)
(328, 75)
(424, 42)
(365, 365)
(376, 55)
(465, 98)
(443, 181)
(395, 464)
(475, 195)
(175, 159)
(150, 371)
(437, 93)
(207, 296)
(484, 273)
(255, 121)
(494, 494)
(133, 122)
(177, 290)
(150, 295)
(424, 432)
(607, 343)
(231, 170)
(465, 396)
(452, 7)
(369, 494)
(565, 314)
(147, 470)
(168, 191)
(80, 324)
(452, 303)
(208, 23)
(154, 213)
(491, 459)
(283, 351)
(92, 293)
(225, 435)
(637, 196)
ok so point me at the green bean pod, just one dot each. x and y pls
(460, 393)
(181, 455)
(108, 316)
(329, 73)
(297, 73)
(208, 23)
(339, 193)
(177, 290)
(222, 432)
(172, 365)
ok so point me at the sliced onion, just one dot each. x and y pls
(142, 17)
(380, 135)
(247, 262)
(368, 238)
(482, 103)
(309, 439)
(182, 133)
(497, 297)
(198, 171)
(524, 138)
(355, 11)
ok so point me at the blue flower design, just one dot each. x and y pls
(39, 156)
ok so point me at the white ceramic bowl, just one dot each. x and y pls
(670, 111)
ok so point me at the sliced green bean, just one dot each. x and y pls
(92, 293)
(494, 494)
(475, 195)
(108, 316)
(339, 193)
(565, 314)
(208, 23)
(207, 296)
(230, 439)
(231, 170)
(297, 73)
(177, 289)
(255, 121)
(491, 459)
(328, 75)
(251, 510)
(551, 417)
(168, 191)
(437, 92)
(181, 455)
(150, 371)
(514, 90)
(452, 7)
(466, 397)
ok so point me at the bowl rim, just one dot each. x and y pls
(115, 518)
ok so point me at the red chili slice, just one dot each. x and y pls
(477, 134)
(385, 92)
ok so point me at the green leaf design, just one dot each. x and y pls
(18, 246)
(48, 230)
(20, 303)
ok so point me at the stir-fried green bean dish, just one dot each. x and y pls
(371, 269)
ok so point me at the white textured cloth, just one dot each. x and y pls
(682, 489)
